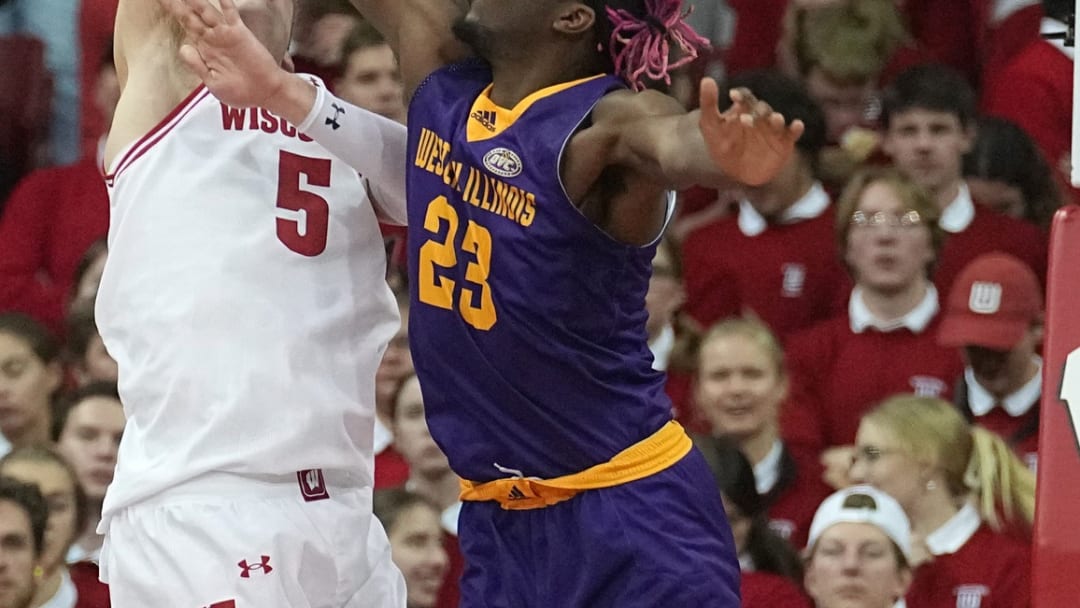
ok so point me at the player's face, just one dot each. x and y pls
(411, 435)
(26, 385)
(417, 550)
(371, 80)
(879, 461)
(739, 387)
(90, 440)
(928, 146)
(888, 258)
(16, 557)
(854, 565)
(58, 488)
(486, 23)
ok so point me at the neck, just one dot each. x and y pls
(945, 195)
(90, 541)
(49, 586)
(34, 433)
(1030, 372)
(756, 447)
(932, 510)
(441, 488)
(894, 305)
(515, 78)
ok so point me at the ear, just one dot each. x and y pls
(574, 18)
(903, 582)
(55, 376)
(970, 132)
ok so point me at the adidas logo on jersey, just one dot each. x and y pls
(516, 494)
(486, 118)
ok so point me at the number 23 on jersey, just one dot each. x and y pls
(475, 302)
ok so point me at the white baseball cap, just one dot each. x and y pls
(863, 505)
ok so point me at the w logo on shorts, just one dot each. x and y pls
(312, 485)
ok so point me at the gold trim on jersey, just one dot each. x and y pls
(646, 457)
(486, 119)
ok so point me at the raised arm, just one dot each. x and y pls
(420, 32)
(650, 136)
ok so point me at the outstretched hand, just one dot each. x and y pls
(749, 141)
(235, 66)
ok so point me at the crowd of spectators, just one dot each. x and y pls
(854, 344)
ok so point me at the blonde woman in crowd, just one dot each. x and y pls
(968, 496)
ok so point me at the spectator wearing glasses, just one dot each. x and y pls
(885, 342)
(961, 487)
(859, 554)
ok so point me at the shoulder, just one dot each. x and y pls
(624, 105)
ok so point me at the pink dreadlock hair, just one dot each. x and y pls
(640, 45)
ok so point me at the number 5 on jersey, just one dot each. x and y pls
(439, 290)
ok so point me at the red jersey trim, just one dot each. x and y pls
(154, 135)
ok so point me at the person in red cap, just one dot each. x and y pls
(995, 315)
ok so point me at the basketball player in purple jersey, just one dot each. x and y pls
(538, 189)
(245, 303)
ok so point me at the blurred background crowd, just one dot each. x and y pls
(872, 317)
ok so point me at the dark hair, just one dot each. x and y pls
(81, 329)
(931, 87)
(1004, 152)
(389, 504)
(735, 478)
(70, 401)
(363, 35)
(44, 344)
(92, 252)
(47, 454)
(28, 497)
(634, 39)
(789, 97)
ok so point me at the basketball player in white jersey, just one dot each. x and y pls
(245, 304)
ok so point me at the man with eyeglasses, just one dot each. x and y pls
(884, 343)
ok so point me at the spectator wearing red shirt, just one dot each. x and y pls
(886, 341)
(51, 220)
(771, 569)
(1035, 90)
(776, 259)
(954, 481)
(995, 315)
(740, 385)
(929, 117)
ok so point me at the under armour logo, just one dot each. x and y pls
(338, 111)
(516, 494)
(225, 604)
(246, 568)
(486, 118)
(312, 485)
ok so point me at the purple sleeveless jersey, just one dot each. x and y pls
(527, 323)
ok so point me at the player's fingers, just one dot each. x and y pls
(209, 14)
(709, 96)
(743, 99)
(229, 12)
(194, 61)
(795, 130)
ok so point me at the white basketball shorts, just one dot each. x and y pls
(232, 541)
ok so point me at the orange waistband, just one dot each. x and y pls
(651, 455)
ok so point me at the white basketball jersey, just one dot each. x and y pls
(244, 300)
